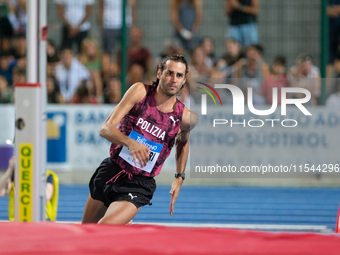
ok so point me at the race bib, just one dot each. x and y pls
(155, 149)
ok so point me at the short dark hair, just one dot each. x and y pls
(19, 70)
(280, 60)
(232, 39)
(176, 58)
(20, 36)
(207, 38)
(82, 90)
(67, 49)
(5, 53)
(337, 56)
(113, 77)
(258, 47)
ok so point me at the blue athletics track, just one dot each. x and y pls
(219, 205)
(206, 220)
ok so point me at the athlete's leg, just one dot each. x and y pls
(94, 210)
(119, 212)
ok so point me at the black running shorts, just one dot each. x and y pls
(139, 190)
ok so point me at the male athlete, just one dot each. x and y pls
(149, 118)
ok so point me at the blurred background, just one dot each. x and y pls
(94, 55)
(213, 35)
(287, 27)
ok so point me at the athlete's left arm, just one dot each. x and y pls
(189, 121)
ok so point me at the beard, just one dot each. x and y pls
(171, 92)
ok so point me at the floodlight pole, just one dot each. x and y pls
(324, 49)
(42, 40)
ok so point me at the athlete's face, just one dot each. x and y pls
(172, 78)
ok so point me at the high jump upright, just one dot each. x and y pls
(30, 121)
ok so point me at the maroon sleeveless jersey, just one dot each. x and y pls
(151, 127)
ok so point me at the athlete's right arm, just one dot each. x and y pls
(109, 128)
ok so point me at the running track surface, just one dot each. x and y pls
(219, 205)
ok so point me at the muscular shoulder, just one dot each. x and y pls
(189, 120)
(136, 93)
(133, 96)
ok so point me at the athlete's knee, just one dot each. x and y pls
(116, 219)
(112, 220)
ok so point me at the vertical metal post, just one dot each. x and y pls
(43, 102)
(28, 128)
(32, 41)
(124, 48)
(324, 49)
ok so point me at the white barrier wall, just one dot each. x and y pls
(74, 142)
(73, 136)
